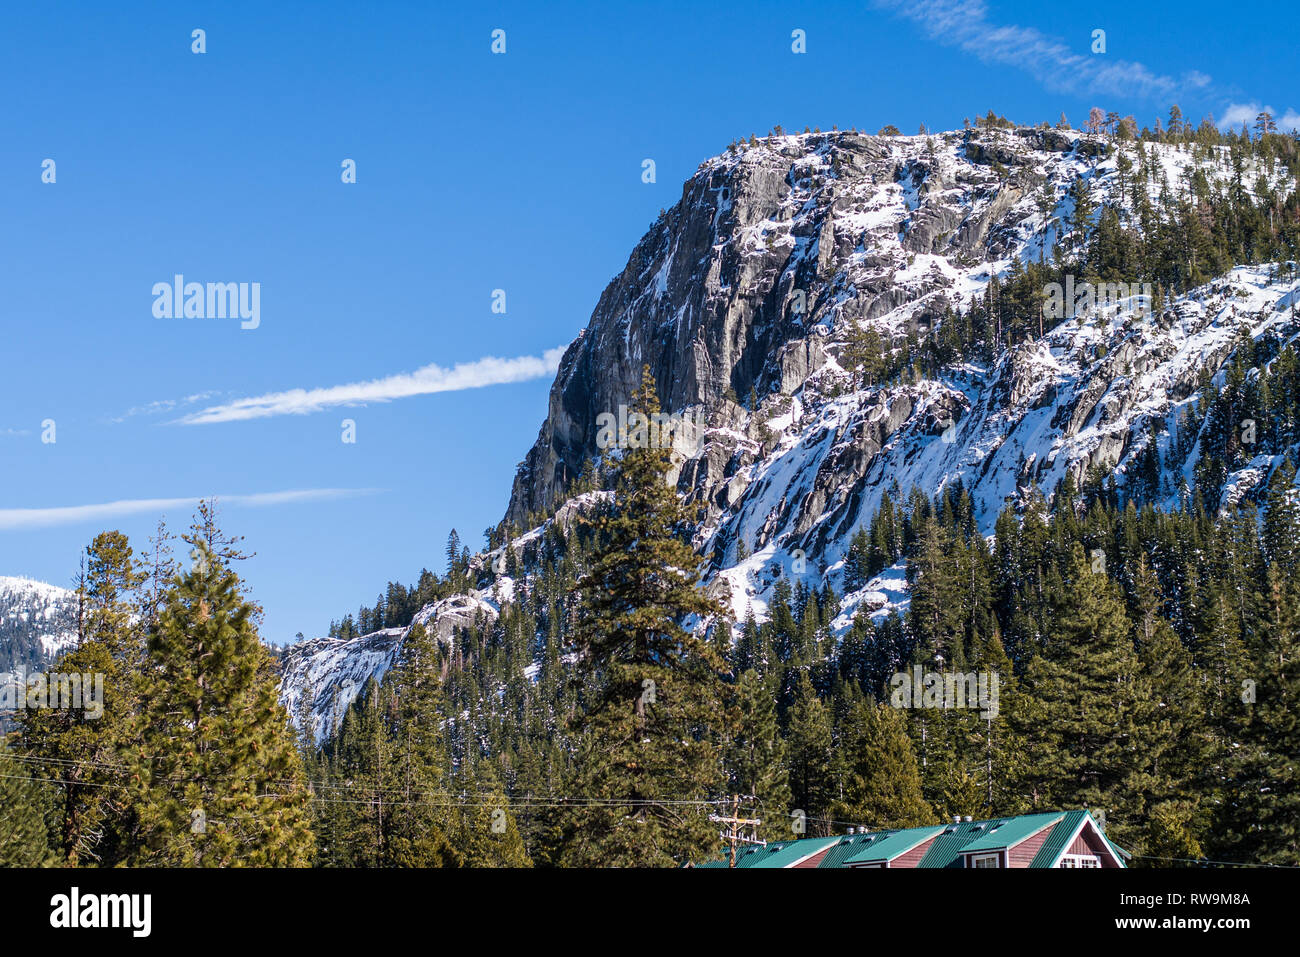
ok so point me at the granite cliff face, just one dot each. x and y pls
(776, 252)
(775, 249)
(743, 298)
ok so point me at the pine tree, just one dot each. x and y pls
(367, 786)
(1080, 195)
(1260, 819)
(24, 838)
(648, 754)
(453, 554)
(1281, 527)
(1177, 742)
(80, 747)
(1223, 665)
(933, 614)
(756, 754)
(419, 819)
(220, 782)
(159, 567)
(865, 354)
(882, 781)
(487, 834)
(1085, 720)
(811, 758)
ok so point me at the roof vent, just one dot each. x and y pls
(956, 819)
(852, 831)
(967, 818)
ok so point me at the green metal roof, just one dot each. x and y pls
(791, 853)
(890, 846)
(743, 858)
(992, 834)
(775, 854)
(1010, 831)
(849, 846)
(947, 847)
(1058, 840)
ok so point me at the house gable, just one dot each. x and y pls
(1079, 837)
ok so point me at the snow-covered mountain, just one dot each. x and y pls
(779, 254)
(37, 623)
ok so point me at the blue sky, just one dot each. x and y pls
(475, 172)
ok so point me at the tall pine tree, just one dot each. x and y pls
(648, 758)
(220, 781)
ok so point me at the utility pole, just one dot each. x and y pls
(734, 834)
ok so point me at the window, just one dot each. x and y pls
(985, 860)
(1080, 860)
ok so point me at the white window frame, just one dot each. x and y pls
(1080, 860)
(995, 857)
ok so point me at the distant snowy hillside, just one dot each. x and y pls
(37, 622)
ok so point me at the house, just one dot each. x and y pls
(1070, 839)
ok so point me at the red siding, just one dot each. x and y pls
(1081, 845)
(1022, 855)
(912, 857)
(816, 859)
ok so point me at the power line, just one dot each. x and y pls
(548, 801)
(486, 799)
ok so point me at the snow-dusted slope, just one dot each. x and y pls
(1048, 409)
(333, 671)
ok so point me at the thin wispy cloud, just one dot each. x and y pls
(21, 519)
(166, 405)
(424, 381)
(1059, 66)
(1239, 113)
